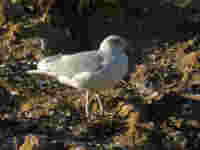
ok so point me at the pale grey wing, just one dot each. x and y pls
(70, 65)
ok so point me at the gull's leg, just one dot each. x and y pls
(100, 104)
(87, 104)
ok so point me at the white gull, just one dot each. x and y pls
(91, 70)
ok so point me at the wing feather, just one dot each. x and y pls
(70, 65)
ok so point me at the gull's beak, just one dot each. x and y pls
(128, 50)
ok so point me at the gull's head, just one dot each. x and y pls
(114, 44)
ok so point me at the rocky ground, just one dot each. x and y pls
(156, 107)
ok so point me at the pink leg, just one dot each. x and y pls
(87, 104)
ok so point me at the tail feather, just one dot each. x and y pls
(53, 74)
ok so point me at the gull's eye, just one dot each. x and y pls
(116, 41)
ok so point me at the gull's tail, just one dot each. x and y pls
(42, 72)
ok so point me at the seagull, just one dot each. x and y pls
(90, 70)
